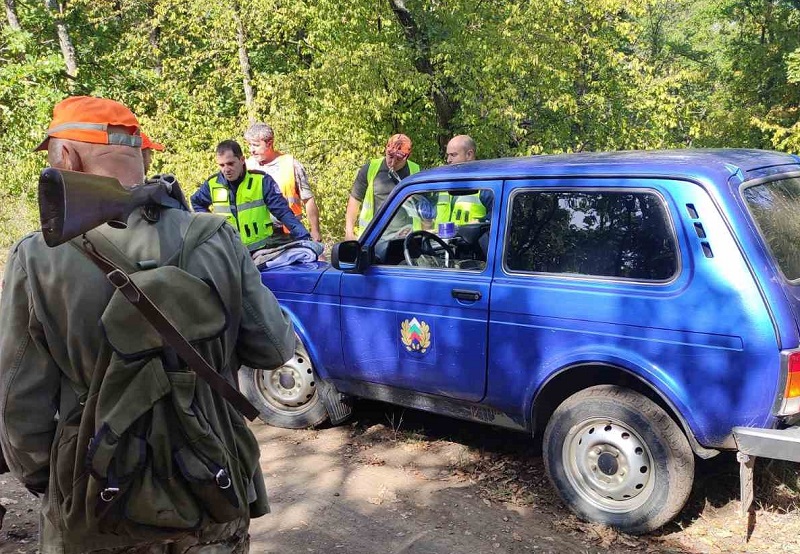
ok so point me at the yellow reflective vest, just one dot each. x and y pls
(252, 217)
(459, 209)
(368, 205)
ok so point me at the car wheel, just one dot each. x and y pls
(617, 458)
(287, 396)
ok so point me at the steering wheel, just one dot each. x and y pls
(424, 236)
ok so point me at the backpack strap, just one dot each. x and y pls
(102, 244)
(201, 228)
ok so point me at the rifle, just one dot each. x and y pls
(71, 203)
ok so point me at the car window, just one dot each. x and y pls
(621, 234)
(446, 229)
(775, 206)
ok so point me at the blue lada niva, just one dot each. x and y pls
(635, 309)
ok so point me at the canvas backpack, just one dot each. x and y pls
(166, 453)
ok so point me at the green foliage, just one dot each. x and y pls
(334, 79)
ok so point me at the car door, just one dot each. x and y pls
(422, 327)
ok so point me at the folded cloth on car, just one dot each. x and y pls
(296, 252)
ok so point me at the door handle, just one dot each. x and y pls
(463, 294)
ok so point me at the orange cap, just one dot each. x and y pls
(400, 143)
(86, 119)
(147, 143)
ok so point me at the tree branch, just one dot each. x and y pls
(419, 41)
(11, 15)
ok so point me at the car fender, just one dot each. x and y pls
(304, 335)
(647, 373)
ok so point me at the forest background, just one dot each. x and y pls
(335, 78)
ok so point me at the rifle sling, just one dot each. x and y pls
(122, 281)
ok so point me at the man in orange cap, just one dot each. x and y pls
(87, 132)
(375, 181)
(54, 357)
(147, 152)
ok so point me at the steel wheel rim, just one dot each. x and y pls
(291, 388)
(609, 465)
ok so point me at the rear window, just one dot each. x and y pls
(776, 208)
(617, 234)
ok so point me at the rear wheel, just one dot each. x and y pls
(617, 458)
(287, 396)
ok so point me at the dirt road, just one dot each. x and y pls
(396, 481)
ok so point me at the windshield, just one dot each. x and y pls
(776, 209)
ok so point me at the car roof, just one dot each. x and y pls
(715, 165)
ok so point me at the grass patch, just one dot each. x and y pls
(777, 485)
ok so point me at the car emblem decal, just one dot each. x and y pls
(416, 335)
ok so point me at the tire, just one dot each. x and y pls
(286, 397)
(617, 458)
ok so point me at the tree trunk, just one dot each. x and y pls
(446, 106)
(11, 14)
(154, 39)
(67, 50)
(244, 65)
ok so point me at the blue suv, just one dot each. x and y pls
(635, 309)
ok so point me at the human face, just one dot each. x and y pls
(395, 159)
(259, 149)
(230, 166)
(458, 152)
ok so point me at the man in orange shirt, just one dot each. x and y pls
(289, 174)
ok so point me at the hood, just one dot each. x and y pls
(297, 278)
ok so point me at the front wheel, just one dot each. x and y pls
(617, 458)
(287, 396)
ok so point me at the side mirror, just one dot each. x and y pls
(350, 255)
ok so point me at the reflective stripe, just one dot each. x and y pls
(219, 194)
(122, 139)
(75, 125)
(222, 209)
(248, 205)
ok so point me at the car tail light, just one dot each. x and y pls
(790, 403)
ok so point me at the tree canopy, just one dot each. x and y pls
(335, 79)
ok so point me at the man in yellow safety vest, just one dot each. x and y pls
(374, 182)
(249, 199)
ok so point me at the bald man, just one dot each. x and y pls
(461, 148)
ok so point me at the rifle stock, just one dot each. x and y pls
(71, 203)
